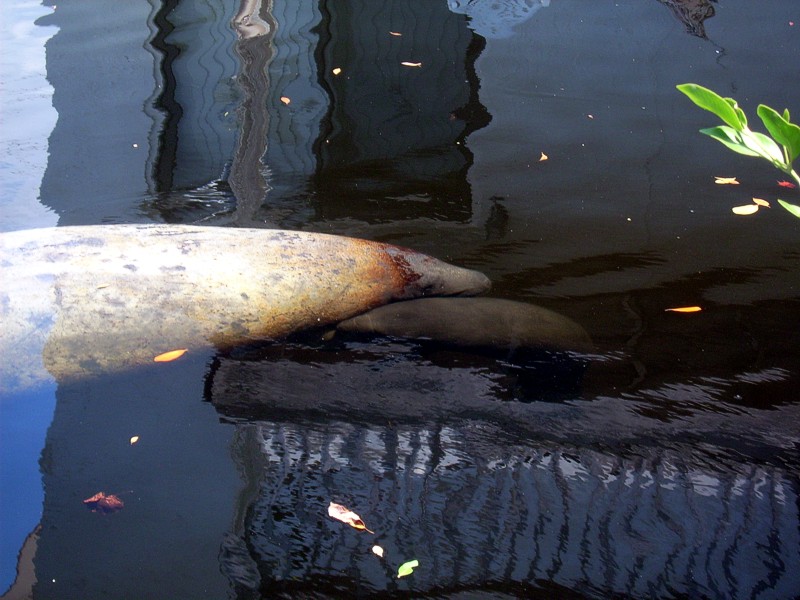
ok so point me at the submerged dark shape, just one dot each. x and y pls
(79, 300)
(692, 13)
(474, 322)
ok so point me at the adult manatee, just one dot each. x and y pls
(76, 300)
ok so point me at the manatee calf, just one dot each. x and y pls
(75, 300)
(475, 322)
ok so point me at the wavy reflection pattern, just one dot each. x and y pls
(652, 523)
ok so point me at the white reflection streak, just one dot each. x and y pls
(27, 116)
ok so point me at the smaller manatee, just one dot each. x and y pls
(474, 322)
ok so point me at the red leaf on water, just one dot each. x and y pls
(786, 184)
(103, 503)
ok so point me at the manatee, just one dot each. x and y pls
(77, 300)
(474, 322)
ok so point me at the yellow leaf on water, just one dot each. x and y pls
(411, 64)
(761, 202)
(726, 180)
(543, 157)
(336, 71)
(407, 568)
(746, 209)
(378, 551)
(684, 309)
(286, 99)
(345, 515)
(134, 439)
(171, 355)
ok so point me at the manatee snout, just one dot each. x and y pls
(428, 276)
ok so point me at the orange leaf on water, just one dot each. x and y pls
(786, 184)
(684, 309)
(171, 355)
(726, 180)
(103, 503)
(345, 515)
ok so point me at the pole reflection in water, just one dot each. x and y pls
(486, 494)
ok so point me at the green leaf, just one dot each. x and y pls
(739, 112)
(713, 102)
(731, 138)
(764, 145)
(407, 568)
(786, 114)
(792, 208)
(784, 132)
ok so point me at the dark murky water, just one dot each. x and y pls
(664, 464)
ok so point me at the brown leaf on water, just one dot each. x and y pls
(171, 355)
(684, 309)
(103, 503)
(345, 515)
(745, 209)
(726, 180)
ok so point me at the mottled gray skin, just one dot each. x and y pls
(474, 322)
(78, 300)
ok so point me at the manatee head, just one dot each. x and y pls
(424, 275)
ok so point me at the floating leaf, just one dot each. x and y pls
(745, 209)
(786, 184)
(761, 202)
(378, 551)
(286, 99)
(684, 309)
(171, 355)
(407, 568)
(336, 71)
(411, 64)
(726, 180)
(103, 503)
(134, 439)
(395, 33)
(543, 157)
(345, 515)
(102, 286)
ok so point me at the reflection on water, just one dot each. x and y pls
(476, 509)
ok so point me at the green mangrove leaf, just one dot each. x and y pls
(731, 138)
(764, 145)
(784, 132)
(407, 568)
(713, 102)
(792, 208)
(786, 114)
(739, 112)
